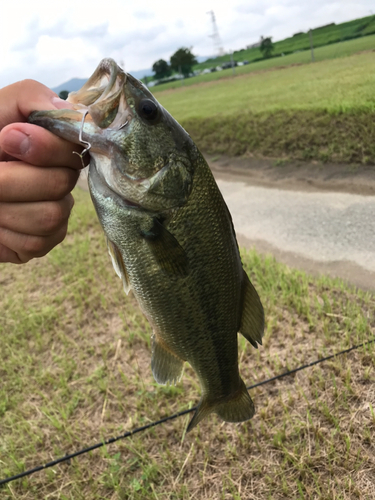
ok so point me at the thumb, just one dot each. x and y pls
(21, 98)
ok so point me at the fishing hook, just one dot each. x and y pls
(84, 143)
(124, 124)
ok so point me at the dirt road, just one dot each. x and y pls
(310, 217)
(329, 233)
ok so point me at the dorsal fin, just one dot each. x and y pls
(252, 321)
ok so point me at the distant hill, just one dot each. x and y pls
(71, 85)
(76, 83)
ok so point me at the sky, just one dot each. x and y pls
(54, 42)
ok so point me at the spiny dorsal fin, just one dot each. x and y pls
(167, 251)
(118, 265)
(252, 321)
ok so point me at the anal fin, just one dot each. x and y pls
(166, 366)
(118, 265)
(252, 321)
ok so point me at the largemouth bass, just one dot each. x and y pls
(169, 233)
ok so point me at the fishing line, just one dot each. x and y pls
(67, 457)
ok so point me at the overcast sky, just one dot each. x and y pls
(53, 47)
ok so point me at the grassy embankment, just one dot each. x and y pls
(356, 30)
(323, 111)
(75, 368)
(334, 51)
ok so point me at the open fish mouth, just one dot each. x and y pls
(103, 97)
(99, 120)
(103, 103)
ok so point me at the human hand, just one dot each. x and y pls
(37, 173)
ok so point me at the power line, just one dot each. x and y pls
(171, 417)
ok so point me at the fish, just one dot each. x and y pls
(169, 233)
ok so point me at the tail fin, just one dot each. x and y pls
(238, 407)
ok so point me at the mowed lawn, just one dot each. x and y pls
(75, 369)
(337, 85)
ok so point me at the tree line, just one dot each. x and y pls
(183, 60)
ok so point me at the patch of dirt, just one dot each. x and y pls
(295, 175)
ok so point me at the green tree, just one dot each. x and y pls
(183, 61)
(64, 95)
(266, 47)
(161, 69)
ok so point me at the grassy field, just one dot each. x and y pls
(333, 51)
(324, 36)
(75, 369)
(323, 110)
(339, 85)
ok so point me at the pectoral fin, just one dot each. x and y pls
(166, 366)
(252, 322)
(167, 251)
(119, 265)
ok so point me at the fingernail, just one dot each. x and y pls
(16, 142)
(61, 104)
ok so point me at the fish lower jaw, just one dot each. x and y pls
(99, 184)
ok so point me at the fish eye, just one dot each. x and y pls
(148, 109)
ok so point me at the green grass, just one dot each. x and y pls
(328, 52)
(338, 85)
(354, 31)
(75, 369)
(323, 110)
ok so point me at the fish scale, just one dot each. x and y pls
(170, 236)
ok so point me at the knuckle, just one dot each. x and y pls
(55, 215)
(28, 82)
(36, 246)
(61, 182)
(61, 235)
(5, 183)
